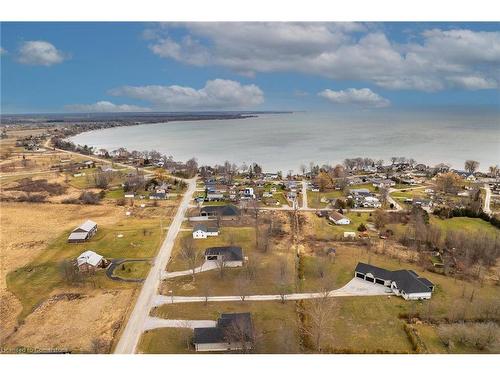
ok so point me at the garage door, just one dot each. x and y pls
(379, 281)
(369, 279)
(360, 275)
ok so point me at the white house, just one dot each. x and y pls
(129, 195)
(338, 219)
(201, 231)
(405, 283)
(90, 260)
(349, 234)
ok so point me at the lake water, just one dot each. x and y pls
(285, 141)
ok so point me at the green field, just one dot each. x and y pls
(132, 270)
(314, 198)
(265, 265)
(465, 223)
(323, 229)
(275, 325)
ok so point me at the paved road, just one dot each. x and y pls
(355, 287)
(487, 199)
(304, 195)
(153, 323)
(390, 199)
(135, 325)
(207, 266)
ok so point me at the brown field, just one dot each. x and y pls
(25, 231)
(97, 315)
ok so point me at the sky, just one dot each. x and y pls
(127, 67)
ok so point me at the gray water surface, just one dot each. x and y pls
(285, 141)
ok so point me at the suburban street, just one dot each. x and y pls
(304, 195)
(135, 325)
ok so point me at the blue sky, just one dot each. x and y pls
(88, 67)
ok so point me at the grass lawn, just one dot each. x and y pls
(33, 283)
(409, 194)
(466, 224)
(362, 186)
(132, 270)
(115, 194)
(321, 228)
(266, 266)
(314, 198)
(275, 324)
(166, 340)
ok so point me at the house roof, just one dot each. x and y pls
(337, 216)
(377, 272)
(77, 236)
(406, 280)
(227, 210)
(204, 228)
(230, 253)
(87, 226)
(240, 323)
(89, 257)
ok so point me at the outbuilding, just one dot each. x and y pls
(83, 233)
(338, 219)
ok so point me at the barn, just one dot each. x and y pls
(83, 233)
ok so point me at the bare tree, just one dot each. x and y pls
(471, 166)
(220, 262)
(189, 254)
(319, 317)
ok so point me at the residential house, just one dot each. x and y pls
(201, 231)
(83, 233)
(232, 332)
(232, 256)
(227, 212)
(405, 283)
(157, 196)
(214, 197)
(338, 219)
(89, 261)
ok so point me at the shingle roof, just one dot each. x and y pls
(230, 253)
(227, 210)
(406, 280)
(219, 334)
(377, 272)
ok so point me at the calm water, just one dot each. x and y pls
(285, 141)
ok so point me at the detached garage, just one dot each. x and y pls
(405, 283)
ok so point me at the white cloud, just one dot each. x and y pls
(440, 59)
(105, 106)
(39, 52)
(3, 51)
(362, 97)
(216, 94)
